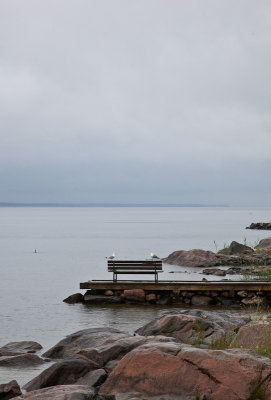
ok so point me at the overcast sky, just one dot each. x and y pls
(165, 101)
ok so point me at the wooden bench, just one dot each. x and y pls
(134, 267)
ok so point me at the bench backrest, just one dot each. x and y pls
(133, 265)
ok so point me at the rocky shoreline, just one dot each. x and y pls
(236, 254)
(185, 355)
(228, 298)
(241, 259)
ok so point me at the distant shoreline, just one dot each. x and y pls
(7, 204)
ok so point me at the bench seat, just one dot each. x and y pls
(134, 267)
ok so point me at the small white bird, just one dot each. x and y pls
(154, 256)
(111, 257)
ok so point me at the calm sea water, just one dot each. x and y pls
(71, 246)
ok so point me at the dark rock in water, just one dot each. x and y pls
(109, 293)
(242, 293)
(238, 248)
(228, 301)
(260, 226)
(213, 374)
(193, 258)
(97, 344)
(9, 390)
(63, 392)
(134, 295)
(214, 271)
(234, 270)
(199, 300)
(66, 372)
(264, 244)
(102, 299)
(163, 301)
(22, 360)
(186, 325)
(74, 298)
(16, 348)
(151, 298)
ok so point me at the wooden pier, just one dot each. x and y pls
(174, 286)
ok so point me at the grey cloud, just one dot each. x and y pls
(115, 100)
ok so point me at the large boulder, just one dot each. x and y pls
(78, 369)
(238, 248)
(97, 344)
(65, 392)
(16, 348)
(254, 336)
(66, 372)
(22, 361)
(193, 258)
(264, 244)
(194, 326)
(216, 374)
(9, 390)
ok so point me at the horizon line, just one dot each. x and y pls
(56, 204)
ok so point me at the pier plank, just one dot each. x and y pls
(177, 285)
